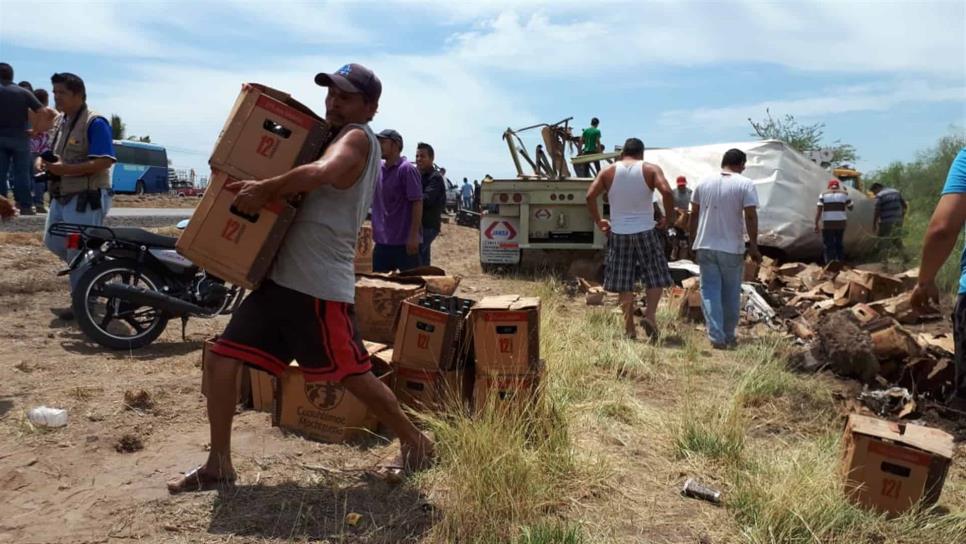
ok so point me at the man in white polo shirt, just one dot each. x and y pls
(719, 206)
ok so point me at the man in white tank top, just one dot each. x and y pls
(304, 310)
(723, 206)
(635, 248)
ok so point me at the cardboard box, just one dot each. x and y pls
(263, 390)
(324, 411)
(890, 466)
(432, 390)
(751, 270)
(506, 334)
(507, 391)
(364, 247)
(235, 247)
(267, 133)
(428, 337)
(378, 300)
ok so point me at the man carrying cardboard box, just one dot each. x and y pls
(304, 309)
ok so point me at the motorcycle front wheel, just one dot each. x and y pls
(110, 321)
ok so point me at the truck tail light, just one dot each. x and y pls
(504, 198)
(553, 196)
(517, 197)
(74, 241)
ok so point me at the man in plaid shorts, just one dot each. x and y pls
(635, 247)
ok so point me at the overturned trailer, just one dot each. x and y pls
(788, 186)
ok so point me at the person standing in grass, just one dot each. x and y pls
(947, 222)
(718, 205)
(635, 245)
(831, 215)
(890, 213)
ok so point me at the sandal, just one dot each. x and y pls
(650, 329)
(195, 480)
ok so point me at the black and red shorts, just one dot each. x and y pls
(275, 325)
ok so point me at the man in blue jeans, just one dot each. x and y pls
(719, 206)
(20, 112)
(941, 235)
(80, 187)
(434, 200)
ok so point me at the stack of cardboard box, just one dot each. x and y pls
(429, 355)
(505, 333)
(267, 134)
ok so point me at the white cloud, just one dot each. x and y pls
(833, 101)
(437, 101)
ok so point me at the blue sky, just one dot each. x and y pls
(889, 78)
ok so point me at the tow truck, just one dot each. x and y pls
(539, 218)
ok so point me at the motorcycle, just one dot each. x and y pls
(134, 282)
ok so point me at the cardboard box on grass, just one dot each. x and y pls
(266, 134)
(506, 334)
(432, 390)
(236, 247)
(427, 337)
(889, 467)
(325, 411)
(378, 300)
(507, 392)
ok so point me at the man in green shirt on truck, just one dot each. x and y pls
(590, 143)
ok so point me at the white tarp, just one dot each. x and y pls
(788, 186)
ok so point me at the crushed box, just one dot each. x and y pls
(378, 300)
(890, 466)
(267, 133)
(324, 411)
(506, 334)
(236, 247)
(430, 332)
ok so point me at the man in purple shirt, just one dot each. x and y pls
(397, 208)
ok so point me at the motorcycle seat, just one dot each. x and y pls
(141, 236)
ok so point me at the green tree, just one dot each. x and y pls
(920, 182)
(803, 138)
(118, 128)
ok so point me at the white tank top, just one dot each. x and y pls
(631, 200)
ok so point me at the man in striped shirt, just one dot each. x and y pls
(890, 210)
(832, 212)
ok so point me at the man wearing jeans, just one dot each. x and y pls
(16, 105)
(397, 208)
(717, 207)
(434, 200)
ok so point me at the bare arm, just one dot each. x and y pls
(340, 167)
(751, 225)
(818, 216)
(600, 184)
(86, 168)
(941, 234)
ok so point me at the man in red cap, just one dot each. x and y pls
(304, 308)
(678, 233)
(830, 217)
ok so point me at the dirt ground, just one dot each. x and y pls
(81, 484)
(155, 201)
(102, 478)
